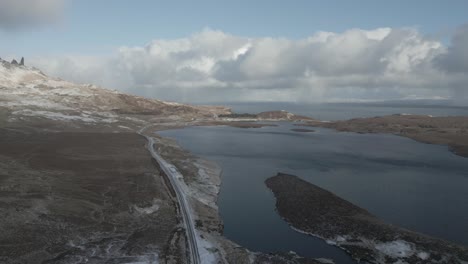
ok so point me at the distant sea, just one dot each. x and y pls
(342, 111)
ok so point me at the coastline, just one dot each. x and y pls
(202, 180)
(451, 131)
(336, 241)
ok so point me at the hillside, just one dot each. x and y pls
(27, 94)
(76, 168)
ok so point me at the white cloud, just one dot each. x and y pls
(17, 14)
(214, 66)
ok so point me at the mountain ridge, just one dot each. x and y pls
(27, 92)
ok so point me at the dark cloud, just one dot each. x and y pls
(455, 60)
(20, 14)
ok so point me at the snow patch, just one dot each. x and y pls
(423, 255)
(148, 259)
(396, 249)
(340, 239)
(325, 261)
(150, 209)
(172, 103)
(206, 187)
(62, 117)
(207, 250)
(400, 262)
(53, 116)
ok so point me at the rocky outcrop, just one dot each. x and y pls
(14, 62)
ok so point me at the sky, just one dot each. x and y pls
(215, 51)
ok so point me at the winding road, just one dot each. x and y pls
(185, 209)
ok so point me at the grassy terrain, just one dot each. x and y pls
(70, 196)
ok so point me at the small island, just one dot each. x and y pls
(318, 212)
(303, 130)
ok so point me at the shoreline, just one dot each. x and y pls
(451, 131)
(208, 221)
(200, 183)
(309, 123)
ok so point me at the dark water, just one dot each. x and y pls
(418, 186)
(341, 111)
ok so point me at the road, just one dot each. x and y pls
(185, 209)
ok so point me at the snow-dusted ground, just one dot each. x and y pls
(206, 247)
(150, 209)
(208, 181)
(398, 249)
(26, 86)
(205, 190)
(185, 208)
(27, 92)
(84, 117)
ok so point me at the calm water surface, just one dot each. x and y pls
(418, 186)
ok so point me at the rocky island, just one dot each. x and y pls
(317, 212)
(303, 130)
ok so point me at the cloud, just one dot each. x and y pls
(455, 60)
(19, 14)
(211, 65)
(454, 63)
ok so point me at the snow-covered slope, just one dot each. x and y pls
(26, 91)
